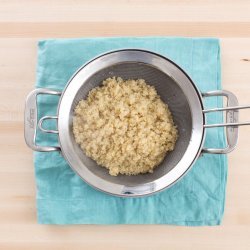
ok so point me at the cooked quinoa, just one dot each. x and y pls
(124, 126)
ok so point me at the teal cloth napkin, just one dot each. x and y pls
(62, 196)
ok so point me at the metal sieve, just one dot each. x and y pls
(175, 88)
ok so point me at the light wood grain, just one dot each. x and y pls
(124, 11)
(87, 29)
(23, 23)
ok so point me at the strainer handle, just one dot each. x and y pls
(30, 120)
(232, 120)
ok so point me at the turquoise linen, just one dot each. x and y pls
(63, 198)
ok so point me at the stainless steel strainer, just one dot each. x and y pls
(175, 88)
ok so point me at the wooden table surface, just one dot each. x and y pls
(22, 23)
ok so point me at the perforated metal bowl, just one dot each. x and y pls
(175, 88)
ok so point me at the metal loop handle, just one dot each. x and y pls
(232, 120)
(30, 120)
(40, 124)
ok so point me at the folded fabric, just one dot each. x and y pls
(64, 198)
